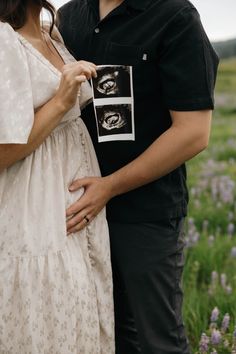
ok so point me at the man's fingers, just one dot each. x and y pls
(79, 183)
(81, 225)
(77, 218)
(77, 228)
(75, 208)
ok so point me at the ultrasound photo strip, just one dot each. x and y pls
(114, 103)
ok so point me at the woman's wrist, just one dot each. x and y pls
(60, 107)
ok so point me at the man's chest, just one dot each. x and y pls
(125, 35)
(118, 40)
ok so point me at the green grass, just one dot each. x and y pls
(203, 258)
(226, 81)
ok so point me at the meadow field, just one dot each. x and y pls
(210, 272)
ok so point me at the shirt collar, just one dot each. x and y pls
(138, 4)
(135, 4)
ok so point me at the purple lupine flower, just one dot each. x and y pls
(215, 314)
(223, 280)
(190, 221)
(214, 276)
(214, 282)
(228, 289)
(216, 337)
(205, 225)
(233, 252)
(225, 322)
(234, 342)
(230, 229)
(203, 345)
(192, 235)
(211, 240)
(193, 192)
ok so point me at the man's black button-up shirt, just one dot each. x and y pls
(174, 68)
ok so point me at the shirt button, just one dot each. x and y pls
(97, 30)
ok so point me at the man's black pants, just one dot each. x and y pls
(147, 261)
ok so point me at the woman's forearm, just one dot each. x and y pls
(46, 120)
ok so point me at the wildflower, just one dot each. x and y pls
(230, 229)
(214, 282)
(228, 289)
(214, 351)
(191, 222)
(223, 280)
(193, 192)
(234, 336)
(216, 337)
(205, 225)
(211, 240)
(233, 252)
(192, 236)
(225, 323)
(203, 345)
(214, 276)
(226, 343)
(215, 314)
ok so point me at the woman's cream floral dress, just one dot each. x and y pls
(55, 291)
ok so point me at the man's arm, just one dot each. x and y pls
(188, 135)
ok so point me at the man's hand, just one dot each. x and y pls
(97, 192)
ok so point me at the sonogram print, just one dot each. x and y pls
(114, 103)
(114, 119)
(112, 81)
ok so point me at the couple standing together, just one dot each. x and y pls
(56, 287)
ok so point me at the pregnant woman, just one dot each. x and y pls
(55, 289)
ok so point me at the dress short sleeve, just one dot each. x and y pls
(188, 64)
(16, 102)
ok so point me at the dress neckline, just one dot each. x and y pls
(41, 57)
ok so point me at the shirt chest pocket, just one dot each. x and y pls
(142, 61)
(118, 54)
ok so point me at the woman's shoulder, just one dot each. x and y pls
(6, 30)
(9, 40)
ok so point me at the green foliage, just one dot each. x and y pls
(212, 185)
(226, 82)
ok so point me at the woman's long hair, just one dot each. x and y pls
(15, 11)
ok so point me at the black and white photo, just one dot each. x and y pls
(114, 119)
(112, 81)
(114, 103)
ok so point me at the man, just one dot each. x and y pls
(144, 183)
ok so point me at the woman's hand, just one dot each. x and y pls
(73, 75)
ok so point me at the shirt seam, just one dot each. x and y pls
(189, 7)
